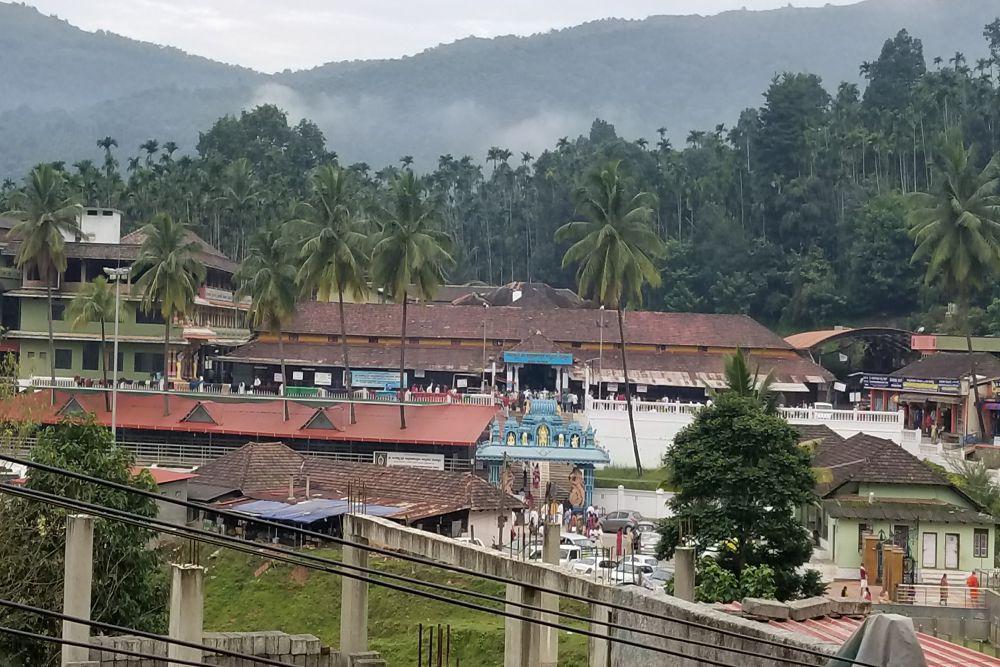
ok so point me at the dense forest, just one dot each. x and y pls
(794, 214)
(521, 92)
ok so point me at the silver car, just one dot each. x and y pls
(648, 537)
(620, 519)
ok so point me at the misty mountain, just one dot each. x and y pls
(67, 87)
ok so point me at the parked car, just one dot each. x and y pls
(628, 573)
(620, 519)
(648, 537)
(470, 540)
(578, 540)
(645, 561)
(657, 579)
(588, 564)
(567, 554)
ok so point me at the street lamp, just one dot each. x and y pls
(116, 274)
(482, 384)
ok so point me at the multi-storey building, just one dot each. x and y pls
(217, 323)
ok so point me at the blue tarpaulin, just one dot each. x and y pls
(306, 511)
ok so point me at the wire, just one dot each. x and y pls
(116, 651)
(255, 548)
(330, 566)
(410, 557)
(138, 633)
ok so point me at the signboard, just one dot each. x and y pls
(461, 382)
(641, 388)
(297, 375)
(277, 378)
(926, 385)
(419, 373)
(612, 386)
(546, 358)
(409, 460)
(321, 378)
(375, 379)
(839, 386)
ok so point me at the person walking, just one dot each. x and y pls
(943, 587)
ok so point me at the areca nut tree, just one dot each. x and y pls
(95, 303)
(956, 230)
(615, 250)
(46, 213)
(334, 250)
(268, 278)
(410, 255)
(170, 274)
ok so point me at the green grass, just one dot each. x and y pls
(298, 601)
(612, 476)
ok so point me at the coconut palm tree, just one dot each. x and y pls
(334, 249)
(95, 303)
(169, 275)
(268, 278)
(956, 229)
(46, 212)
(740, 381)
(614, 248)
(410, 255)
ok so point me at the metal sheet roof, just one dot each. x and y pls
(306, 511)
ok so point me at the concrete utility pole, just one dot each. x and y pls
(187, 611)
(77, 582)
(549, 635)
(684, 573)
(353, 598)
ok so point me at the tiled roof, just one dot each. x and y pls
(557, 324)
(267, 468)
(539, 296)
(438, 424)
(163, 475)
(951, 365)
(903, 509)
(817, 433)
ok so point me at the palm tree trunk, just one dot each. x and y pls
(284, 378)
(166, 367)
(343, 346)
(52, 345)
(104, 367)
(402, 368)
(628, 394)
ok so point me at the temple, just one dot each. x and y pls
(540, 438)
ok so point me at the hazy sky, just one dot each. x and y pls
(273, 35)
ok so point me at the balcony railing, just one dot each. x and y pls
(933, 595)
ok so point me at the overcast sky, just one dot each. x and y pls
(271, 35)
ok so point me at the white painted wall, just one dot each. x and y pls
(99, 225)
(657, 424)
(650, 504)
(484, 526)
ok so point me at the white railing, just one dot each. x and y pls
(933, 595)
(61, 383)
(812, 415)
(611, 405)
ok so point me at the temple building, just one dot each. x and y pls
(559, 449)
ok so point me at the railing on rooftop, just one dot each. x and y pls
(611, 405)
(934, 595)
(189, 456)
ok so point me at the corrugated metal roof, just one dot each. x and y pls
(307, 511)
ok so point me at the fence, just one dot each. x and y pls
(933, 595)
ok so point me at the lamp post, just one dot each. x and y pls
(116, 274)
(482, 384)
(600, 356)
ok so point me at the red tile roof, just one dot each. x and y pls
(454, 425)
(162, 475)
(556, 324)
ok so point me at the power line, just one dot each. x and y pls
(10, 604)
(256, 548)
(331, 566)
(118, 651)
(407, 557)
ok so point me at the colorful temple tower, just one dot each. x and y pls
(543, 435)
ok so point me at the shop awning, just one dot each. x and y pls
(930, 398)
(789, 387)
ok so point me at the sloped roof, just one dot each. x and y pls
(259, 468)
(524, 295)
(216, 259)
(903, 509)
(950, 365)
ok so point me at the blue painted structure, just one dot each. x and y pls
(542, 435)
(545, 358)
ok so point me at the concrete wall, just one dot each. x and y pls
(484, 526)
(32, 364)
(169, 512)
(651, 504)
(384, 533)
(956, 623)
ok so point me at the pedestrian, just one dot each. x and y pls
(866, 594)
(973, 583)
(636, 541)
(843, 592)
(573, 401)
(943, 587)
(864, 578)
(618, 544)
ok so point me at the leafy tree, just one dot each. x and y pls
(956, 229)
(267, 276)
(95, 302)
(614, 249)
(409, 256)
(893, 76)
(334, 249)
(130, 586)
(45, 211)
(794, 104)
(169, 275)
(740, 477)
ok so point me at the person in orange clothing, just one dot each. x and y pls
(973, 583)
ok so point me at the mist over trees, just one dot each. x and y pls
(794, 214)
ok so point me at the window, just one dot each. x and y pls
(58, 312)
(64, 359)
(576, 345)
(862, 529)
(91, 356)
(148, 362)
(31, 355)
(951, 551)
(373, 339)
(980, 543)
(154, 317)
(929, 550)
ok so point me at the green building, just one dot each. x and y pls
(216, 325)
(871, 486)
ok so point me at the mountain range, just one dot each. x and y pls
(65, 87)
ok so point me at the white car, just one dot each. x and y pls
(567, 554)
(588, 564)
(644, 561)
(470, 540)
(578, 540)
(628, 573)
(648, 537)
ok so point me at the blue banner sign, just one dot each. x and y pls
(932, 386)
(375, 379)
(547, 358)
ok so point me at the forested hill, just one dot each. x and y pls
(65, 87)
